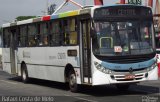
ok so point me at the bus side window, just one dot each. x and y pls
(55, 33)
(23, 36)
(18, 37)
(69, 33)
(32, 41)
(43, 35)
(32, 38)
(65, 32)
(73, 38)
(45, 40)
(73, 33)
(6, 37)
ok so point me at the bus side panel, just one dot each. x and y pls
(44, 62)
(153, 74)
(46, 72)
(18, 68)
(74, 60)
(98, 78)
(6, 60)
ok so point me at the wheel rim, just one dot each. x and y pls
(72, 80)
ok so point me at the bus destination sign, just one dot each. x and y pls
(121, 12)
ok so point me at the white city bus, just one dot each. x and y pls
(98, 45)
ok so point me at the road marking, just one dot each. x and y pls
(142, 91)
(85, 99)
(8, 82)
(81, 98)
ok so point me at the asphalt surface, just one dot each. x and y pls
(49, 91)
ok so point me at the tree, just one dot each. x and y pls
(20, 18)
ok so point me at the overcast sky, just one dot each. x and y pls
(10, 9)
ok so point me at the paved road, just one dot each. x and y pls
(12, 86)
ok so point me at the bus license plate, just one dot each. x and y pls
(130, 76)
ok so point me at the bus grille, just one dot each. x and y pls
(123, 77)
(134, 70)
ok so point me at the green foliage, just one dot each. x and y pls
(20, 18)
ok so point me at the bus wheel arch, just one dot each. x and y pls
(70, 77)
(24, 72)
(67, 70)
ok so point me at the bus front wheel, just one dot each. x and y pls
(73, 82)
(24, 74)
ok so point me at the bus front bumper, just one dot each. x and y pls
(100, 78)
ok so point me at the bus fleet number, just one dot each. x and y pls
(61, 56)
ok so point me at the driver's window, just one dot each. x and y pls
(146, 33)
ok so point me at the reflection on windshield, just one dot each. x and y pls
(122, 38)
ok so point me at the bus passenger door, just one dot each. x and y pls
(13, 51)
(85, 51)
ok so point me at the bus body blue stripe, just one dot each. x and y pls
(114, 66)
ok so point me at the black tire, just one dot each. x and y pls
(73, 82)
(123, 86)
(24, 74)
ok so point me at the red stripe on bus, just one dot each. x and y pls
(46, 18)
(159, 69)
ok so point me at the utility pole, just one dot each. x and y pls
(51, 9)
(64, 3)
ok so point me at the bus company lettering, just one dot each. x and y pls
(61, 56)
(52, 57)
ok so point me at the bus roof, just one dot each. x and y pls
(49, 17)
(85, 10)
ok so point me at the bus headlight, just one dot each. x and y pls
(102, 69)
(152, 67)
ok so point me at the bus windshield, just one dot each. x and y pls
(122, 38)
